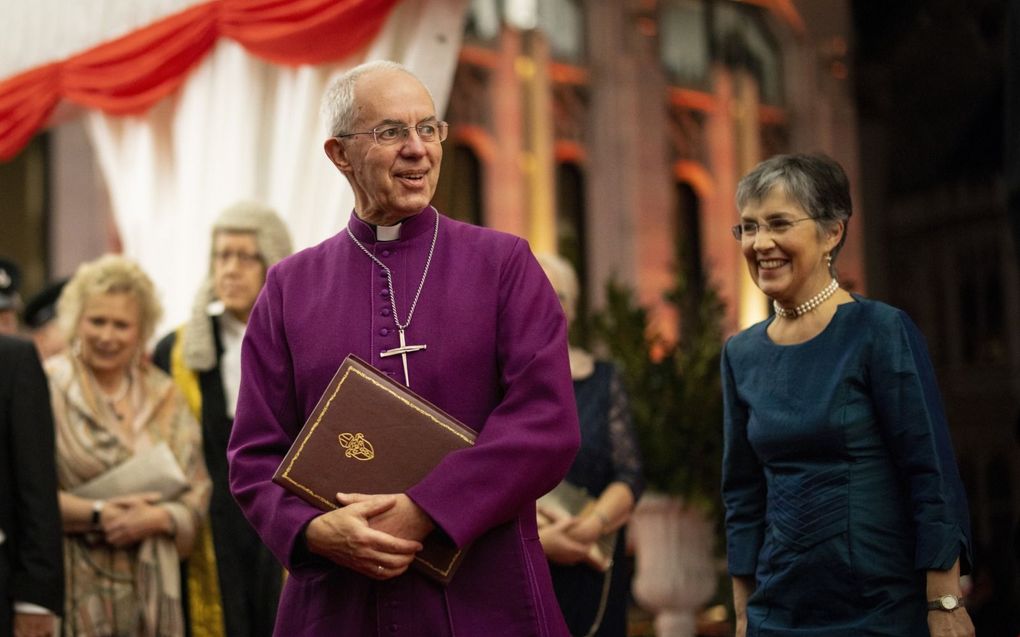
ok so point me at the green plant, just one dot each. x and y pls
(674, 387)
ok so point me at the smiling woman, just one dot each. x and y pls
(122, 550)
(844, 506)
(793, 263)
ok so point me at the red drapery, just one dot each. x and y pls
(130, 74)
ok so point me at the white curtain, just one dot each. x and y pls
(36, 32)
(243, 128)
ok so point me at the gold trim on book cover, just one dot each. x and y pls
(322, 412)
(412, 405)
(435, 568)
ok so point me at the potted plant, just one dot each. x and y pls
(676, 406)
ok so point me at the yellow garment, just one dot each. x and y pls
(205, 605)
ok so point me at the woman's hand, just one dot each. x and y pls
(587, 529)
(941, 623)
(954, 624)
(129, 519)
(743, 587)
(741, 628)
(559, 546)
(33, 625)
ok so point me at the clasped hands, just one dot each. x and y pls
(375, 535)
(128, 519)
(568, 539)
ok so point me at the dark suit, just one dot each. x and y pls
(31, 557)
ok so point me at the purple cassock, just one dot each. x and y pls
(496, 359)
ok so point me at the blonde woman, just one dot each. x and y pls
(122, 550)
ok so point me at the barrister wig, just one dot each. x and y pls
(273, 241)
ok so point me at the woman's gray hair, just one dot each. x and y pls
(563, 277)
(338, 108)
(815, 181)
(109, 274)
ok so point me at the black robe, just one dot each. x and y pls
(250, 578)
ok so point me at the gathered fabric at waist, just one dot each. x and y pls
(807, 507)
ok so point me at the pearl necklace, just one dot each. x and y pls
(808, 305)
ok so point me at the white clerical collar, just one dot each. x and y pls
(232, 324)
(387, 233)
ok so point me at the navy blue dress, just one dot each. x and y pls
(609, 453)
(839, 480)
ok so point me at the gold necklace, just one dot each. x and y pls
(112, 400)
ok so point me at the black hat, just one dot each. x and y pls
(10, 279)
(42, 307)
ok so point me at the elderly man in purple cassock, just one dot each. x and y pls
(466, 317)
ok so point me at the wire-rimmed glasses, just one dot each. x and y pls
(244, 259)
(395, 134)
(779, 225)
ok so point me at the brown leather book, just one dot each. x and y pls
(369, 434)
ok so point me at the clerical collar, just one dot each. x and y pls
(388, 233)
(411, 228)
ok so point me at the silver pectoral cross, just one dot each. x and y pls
(403, 351)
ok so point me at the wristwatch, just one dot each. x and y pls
(947, 603)
(97, 510)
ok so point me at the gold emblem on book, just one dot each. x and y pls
(357, 446)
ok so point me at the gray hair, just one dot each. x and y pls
(338, 107)
(815, 181)
(564, 280)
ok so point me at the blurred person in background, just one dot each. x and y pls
(845, 513)
(593, 594)
(233, 581)
(123, 551)
(10, 301)
(39, 319)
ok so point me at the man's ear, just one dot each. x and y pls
(337, 154)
